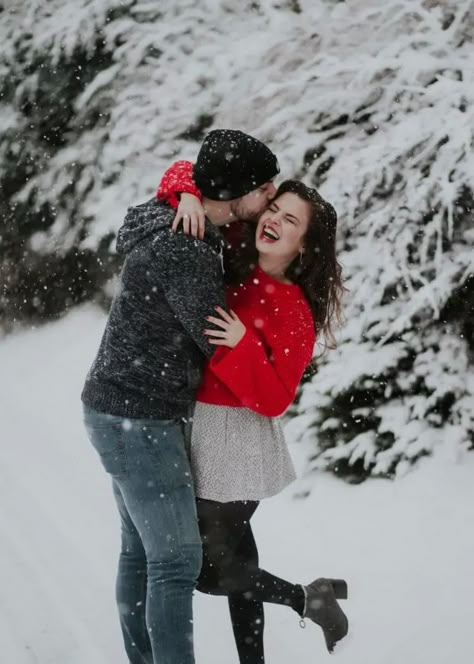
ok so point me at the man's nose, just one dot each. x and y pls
(271, 190)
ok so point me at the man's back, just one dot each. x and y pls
(153, 349)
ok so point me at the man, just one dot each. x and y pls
(141, 387)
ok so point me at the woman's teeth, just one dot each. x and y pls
(271, 235)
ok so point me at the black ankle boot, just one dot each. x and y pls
(322, 608)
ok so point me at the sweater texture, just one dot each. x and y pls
(152, 353)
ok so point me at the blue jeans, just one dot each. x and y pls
(161, 550)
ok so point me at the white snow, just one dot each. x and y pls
(406, 547)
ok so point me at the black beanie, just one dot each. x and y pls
(231, 164)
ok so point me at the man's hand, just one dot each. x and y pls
(191, 213)
(231, 329)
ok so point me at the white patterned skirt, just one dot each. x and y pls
(237, 454)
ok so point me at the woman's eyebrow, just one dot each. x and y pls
(288, 215)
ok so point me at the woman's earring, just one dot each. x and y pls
(301, 255)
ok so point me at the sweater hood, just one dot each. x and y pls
(146, 220)
(141, 222)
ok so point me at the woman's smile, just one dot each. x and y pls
(269, 234)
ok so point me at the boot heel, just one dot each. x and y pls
(340, 588)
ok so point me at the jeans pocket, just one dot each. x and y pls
(109, 444)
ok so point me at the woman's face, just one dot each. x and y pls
(282, 227)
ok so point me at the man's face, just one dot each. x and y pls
(251, 206)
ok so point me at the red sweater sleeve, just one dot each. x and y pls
(176, 180)
(265, 380)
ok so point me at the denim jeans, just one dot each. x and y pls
(161, 550)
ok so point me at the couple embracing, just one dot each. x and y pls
(206, 342)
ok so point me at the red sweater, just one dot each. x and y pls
(263, 371)
(177, 178)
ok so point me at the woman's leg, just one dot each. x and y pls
(222, 526)
(246, 613)
(230, 567)
(228, 545)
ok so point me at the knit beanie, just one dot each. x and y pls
(231, 164)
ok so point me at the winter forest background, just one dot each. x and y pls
(372, 102)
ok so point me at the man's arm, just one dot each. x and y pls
(191, 276)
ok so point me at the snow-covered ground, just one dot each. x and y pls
(406, 547)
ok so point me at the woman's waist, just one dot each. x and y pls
(224, 415)
(217, 394)
(216, 423)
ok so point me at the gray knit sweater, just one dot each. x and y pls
(152, 353)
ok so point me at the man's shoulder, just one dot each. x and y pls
(142, 222)
(176, 245)
(160, 210)
(158, 215)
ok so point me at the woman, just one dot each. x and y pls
(238, 451)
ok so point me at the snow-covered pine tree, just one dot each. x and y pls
(370, 101)
(401, 379)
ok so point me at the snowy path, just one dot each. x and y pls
(406, 547)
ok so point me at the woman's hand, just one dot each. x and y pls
(231, 329)
(191, 213)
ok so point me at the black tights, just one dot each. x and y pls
(230, 567)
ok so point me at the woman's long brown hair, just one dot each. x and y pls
(316, 271)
